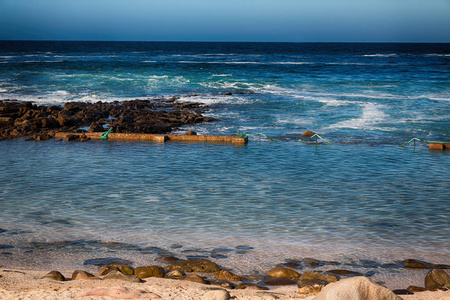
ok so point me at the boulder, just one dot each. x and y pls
(127, 270)
(218, 294)
(105, 270)
(150, 271)
(194, 278)
(201, 266)
(227, 275)
(81, 275)
(437, 279)
(117, 275)
(54, 275)
(356, 288)
(280, 281)
(175, 274)
(311, 286)
(283, 272)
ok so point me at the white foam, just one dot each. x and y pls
(370, 117)
(380, 55)
(221, 75)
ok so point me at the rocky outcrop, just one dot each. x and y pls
(25, 119)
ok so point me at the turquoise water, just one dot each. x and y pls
(382, 202)
(257, 204)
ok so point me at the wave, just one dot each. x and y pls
(371, 116)
(380, 55)
(438, 55)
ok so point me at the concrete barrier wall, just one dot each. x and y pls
(440, 146)
(159, 137)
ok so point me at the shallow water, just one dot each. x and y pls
(283, 200)
(249, 207)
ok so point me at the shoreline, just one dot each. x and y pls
(28, 283)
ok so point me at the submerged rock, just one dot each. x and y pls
(283, 272)
(201, 266)
(107, 261)
(319, 276)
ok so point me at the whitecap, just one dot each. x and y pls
(371, 116)
(380, 55)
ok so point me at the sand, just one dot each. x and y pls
(26, 284)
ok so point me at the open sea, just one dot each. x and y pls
(362, 201)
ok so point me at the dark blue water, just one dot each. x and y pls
(371, 200)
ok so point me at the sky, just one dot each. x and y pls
(227, 20)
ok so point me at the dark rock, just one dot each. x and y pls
(201, 266)
(251, 286)
(417, 264)
(416, 289)
(149, 271)
(243, 247)
(228, 93)
(191, 132)
(283, 272)
(54, 275)
(168, 259)
(347, 273)
(280, 281)
(402, 292)
(19, 119)
(437, 279)
(312, 262)
(3, 246)
(96, 127)
(107, 261)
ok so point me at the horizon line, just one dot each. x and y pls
(200, 41)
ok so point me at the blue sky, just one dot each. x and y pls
(227, 20)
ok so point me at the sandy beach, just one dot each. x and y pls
(28, 284)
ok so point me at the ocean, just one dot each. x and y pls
(360, 199)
